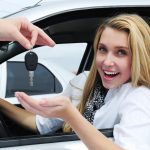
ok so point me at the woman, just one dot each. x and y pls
(121, 64)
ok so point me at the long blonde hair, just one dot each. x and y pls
(139, 42)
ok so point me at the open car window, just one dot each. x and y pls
(56, 66)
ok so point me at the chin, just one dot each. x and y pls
(110, 86)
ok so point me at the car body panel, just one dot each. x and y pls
(56, 7)
(71, 145)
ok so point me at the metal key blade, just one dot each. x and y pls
(31, 76)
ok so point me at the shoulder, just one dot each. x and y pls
(134, 116)
(79, 80)
(134, 93)
(75, 87)
(139, 94)
(136, 98)
(80, 76)
(130, 98)
(120, 93)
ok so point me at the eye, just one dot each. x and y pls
(122, 52)
(102, 49)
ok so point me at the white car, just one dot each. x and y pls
(66, 22)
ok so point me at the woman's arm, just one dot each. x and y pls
(61, 107)
(92, 138)
(19, 115)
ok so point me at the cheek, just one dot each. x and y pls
(126, 68)
(98, 61)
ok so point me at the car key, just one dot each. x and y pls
(31, 60)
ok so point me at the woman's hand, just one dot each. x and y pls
(23, 31)
(59, 106)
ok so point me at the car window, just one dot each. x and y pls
(63, 60)
(45, 81)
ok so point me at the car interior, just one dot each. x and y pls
(68, 27)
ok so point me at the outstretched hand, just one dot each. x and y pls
(23, 31)
(49, 107)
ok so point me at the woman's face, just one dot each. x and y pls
(113, 58)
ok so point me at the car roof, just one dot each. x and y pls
(59, 6)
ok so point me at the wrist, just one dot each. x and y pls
(71, 114)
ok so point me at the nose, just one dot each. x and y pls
(109, 60)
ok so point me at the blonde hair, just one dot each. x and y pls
(139, 42)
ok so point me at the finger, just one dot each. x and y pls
(31, 31)
(22, 40)
(25, 105)
(28, 100)
(37, 35)
(34, 36)
(44, 39)
(27, 29)
(50, 102)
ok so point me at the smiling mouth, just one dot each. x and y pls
(110, 74)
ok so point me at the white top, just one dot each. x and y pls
(126, 108)
(74, 92)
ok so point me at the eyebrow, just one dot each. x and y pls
(124, 47)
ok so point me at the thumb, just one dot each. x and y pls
(22, 96)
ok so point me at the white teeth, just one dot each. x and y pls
(110, 73)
